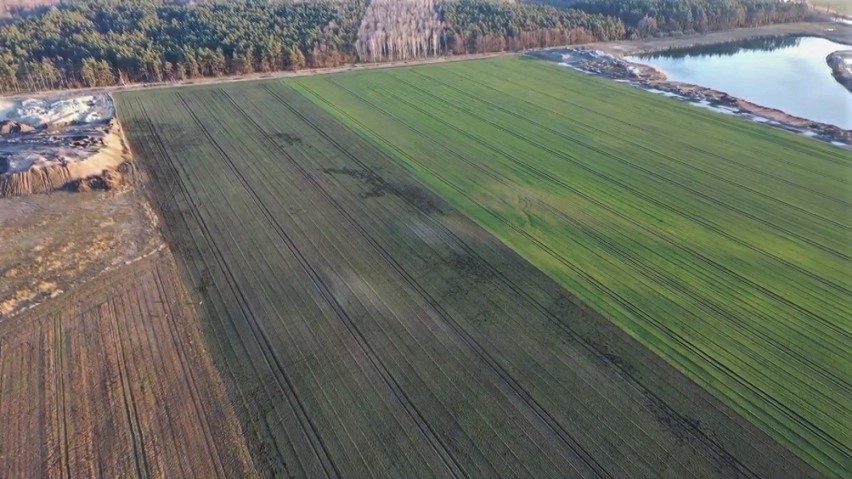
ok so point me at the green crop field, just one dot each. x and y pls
(722, 245)
(364, 326)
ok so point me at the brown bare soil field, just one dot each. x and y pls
(113, 380)
(103, 370)
(55, 243)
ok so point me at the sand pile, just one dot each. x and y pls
(12, 127)
(34, 180)
(97, 172)
(108, 180)
(74, 146)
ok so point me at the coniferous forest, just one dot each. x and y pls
(88, 43)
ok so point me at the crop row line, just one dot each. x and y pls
(595, 172)
(681, 110)
(555, 180)
(199, 408)
(635, 143)
(128, 400)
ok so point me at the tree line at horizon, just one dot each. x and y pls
(649, 17)
(476, 26)
(93, 43)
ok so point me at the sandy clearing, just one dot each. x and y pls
(61, 110)
(67, 239)
(76, 138)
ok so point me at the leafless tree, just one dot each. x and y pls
(399, 30)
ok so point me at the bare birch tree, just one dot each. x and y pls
(399, 30)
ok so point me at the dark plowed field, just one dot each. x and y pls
(366, 328)
(113, 381)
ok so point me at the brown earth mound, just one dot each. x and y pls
(99, 171)
(35, 180)
(10, 127)
(109, 179)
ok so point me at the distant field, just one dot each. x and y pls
(840, 6)
(722, 245)
(367, 328)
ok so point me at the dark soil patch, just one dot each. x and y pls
(288, 138)
(377, 187)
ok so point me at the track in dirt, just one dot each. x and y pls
(112, 380)
(369, 329)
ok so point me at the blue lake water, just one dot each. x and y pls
(789, 74)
